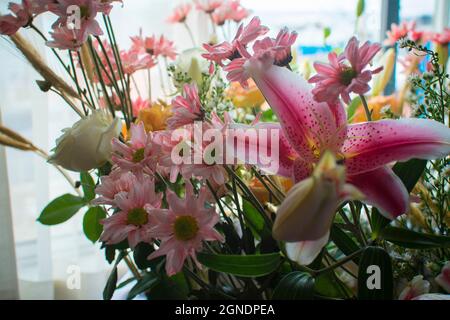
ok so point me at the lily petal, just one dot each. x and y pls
(304, 252)
(261, 146)
(373, 144)
(383, 189)
(309, 126)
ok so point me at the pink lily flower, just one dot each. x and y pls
(312, 127)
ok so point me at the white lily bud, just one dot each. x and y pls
(308, 210)
(87, 144)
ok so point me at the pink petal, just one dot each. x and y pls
(384, 190)
(373, 144)
(245, 148)
(307, 124)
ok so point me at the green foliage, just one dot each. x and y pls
(360, 8)
(295, 286)
(91, 223)
(61, 209)
(88, 186)
(375, 279)
(244, 266)
(412, 239)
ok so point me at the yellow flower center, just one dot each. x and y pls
(185, 228)
(137, 217)
(139, 155)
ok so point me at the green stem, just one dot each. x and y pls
(366, 108)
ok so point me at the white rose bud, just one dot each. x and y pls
(191, 62)
(87, 144)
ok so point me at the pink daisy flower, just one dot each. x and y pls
(140, 152)
(64, 38)
(345, 73)
(268, 50)
(180, 13)
(132, 62)
(88, 10)
(22, 15)
(154, 46)
(398, 32)
(207, 6)
(139, 104)
(183, 227)
(230, 51)
(132, 222)
(238, 13)
(186, 108)
(113, 184)
(442, 38)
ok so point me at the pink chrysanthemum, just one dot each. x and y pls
(268, 50)
(180, 13)
(230, 51)
(442, 38)
(154, 46)
(132, 62)
(132, 222)
(183, 227)
(139, 153)
(113, 184)
(67, 39)
(186, 108)
(345, 73)
(207, 6)
(398, 32)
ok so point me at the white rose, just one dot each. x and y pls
(191, 62)
(87, 144)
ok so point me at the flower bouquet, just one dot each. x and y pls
(247, 178)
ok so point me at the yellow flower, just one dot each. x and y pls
(154, 117)
(245, 98)
(262, 194)
(376, 104)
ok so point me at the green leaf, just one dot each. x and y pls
(414, 240)
(88, 186)
(343, 241)
(326, 33)
(110, 285)
(327, 285)
(375, 278)
(61, 209)
(360, 8)
(170, 288)
(295, 286)
(141, 253)
(143, 285)
(239, 265)
(410, 172)
(254, 219)
(91, 223)
(351, 109)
